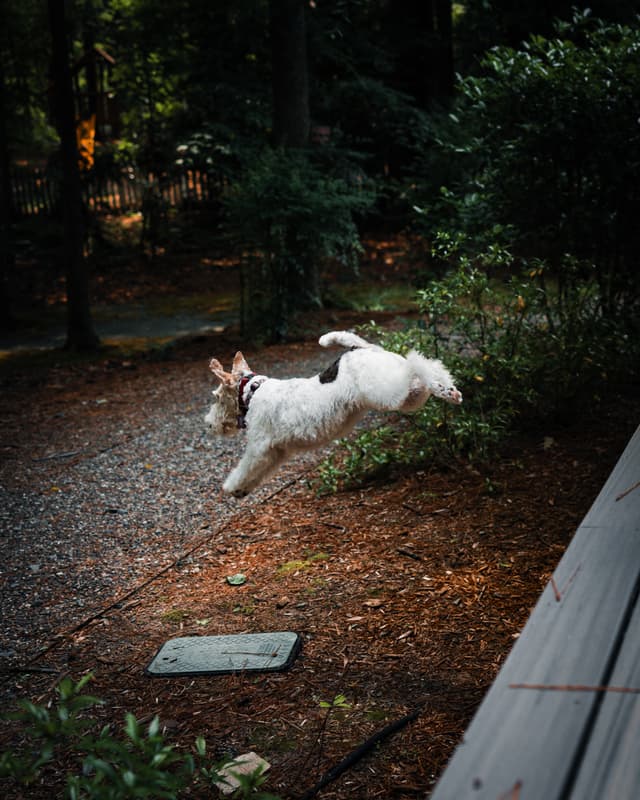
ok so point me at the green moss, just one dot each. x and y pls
(298, 565)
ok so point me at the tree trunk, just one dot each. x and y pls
(80, 331)
(444, 72)
(293, 279)
(7, 257)
(91, 70)
(421, 36)
(290, 80)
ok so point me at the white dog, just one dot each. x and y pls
(283, 417)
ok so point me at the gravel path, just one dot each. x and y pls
(106, 478)
(133, 321)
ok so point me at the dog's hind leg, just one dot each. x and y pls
(254, 466)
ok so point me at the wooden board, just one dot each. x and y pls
(610, 767)
(618, 498)
(529, 743)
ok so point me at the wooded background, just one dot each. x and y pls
(386, 113)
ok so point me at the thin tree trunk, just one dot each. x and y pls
(444, 79)
(424, 58)
(290, 80)
(80, 331)
(91, 70)
(7, 256)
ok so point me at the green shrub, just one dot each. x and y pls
(290, 213)
(137, 764)
(545, 145)
(521, 351)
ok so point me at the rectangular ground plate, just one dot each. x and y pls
(219, 655)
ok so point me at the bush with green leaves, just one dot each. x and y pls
(138, 763)
(291, 212)
(545, 145)
(521, 350)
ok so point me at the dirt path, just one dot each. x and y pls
(406, 595)
(107, 476)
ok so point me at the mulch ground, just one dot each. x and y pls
(407, 596)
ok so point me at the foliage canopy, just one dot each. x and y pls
(546, 146)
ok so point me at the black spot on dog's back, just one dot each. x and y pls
(331, 372)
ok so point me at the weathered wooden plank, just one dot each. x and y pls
(610, 767)
(528, 743)
(618, 497)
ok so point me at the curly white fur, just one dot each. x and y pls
(287, 416)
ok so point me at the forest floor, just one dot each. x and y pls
(407, 595)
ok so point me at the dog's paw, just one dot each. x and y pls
(237, 493)
(234, 491)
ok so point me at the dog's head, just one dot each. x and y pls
(222, 418)
(448, 393)
(441, 383)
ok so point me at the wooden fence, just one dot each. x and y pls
(37, 191)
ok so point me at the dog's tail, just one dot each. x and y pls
(345, 339)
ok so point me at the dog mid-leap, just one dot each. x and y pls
(283, 417)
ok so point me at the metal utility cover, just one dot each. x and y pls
(218, 655)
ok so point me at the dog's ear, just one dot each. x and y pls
(240, 366)
(224, 377)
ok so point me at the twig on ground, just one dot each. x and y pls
(336, 526)
(30, 670)
(360, 751)
(55, 456)
(403, 552)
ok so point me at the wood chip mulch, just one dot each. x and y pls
(407, 596)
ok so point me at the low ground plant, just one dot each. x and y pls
(103, 764)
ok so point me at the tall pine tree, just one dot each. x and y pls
(80, 332)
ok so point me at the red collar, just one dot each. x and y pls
(243, 403)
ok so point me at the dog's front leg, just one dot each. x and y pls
(252, 469)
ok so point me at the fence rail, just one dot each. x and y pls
(37, 191)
